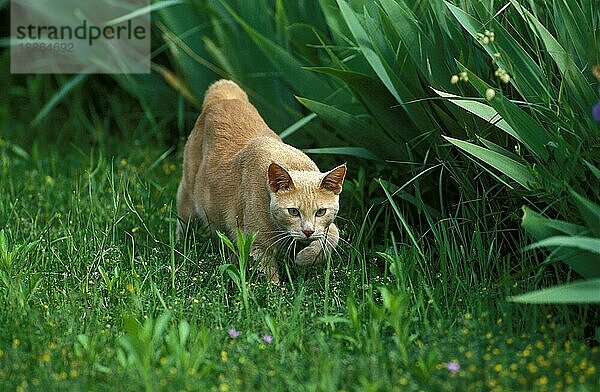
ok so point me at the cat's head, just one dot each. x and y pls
(304, 203)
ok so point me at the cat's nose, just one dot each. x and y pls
(308, 233)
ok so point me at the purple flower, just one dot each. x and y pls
(233, 333)
(596, 112)
(453, 366)
(267, 339)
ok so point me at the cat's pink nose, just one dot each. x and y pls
(308, 233)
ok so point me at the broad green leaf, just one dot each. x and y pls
(363, 42)
(581, 292)
(589, 211)
(563, 60)
(595, 171)
(579, 31)
(297, 125)
(585, 243)
(335, 22)
(354, 129)
(427, 58)
(226, 241)
(218, 56)
(501, 150)
(181, 25)
(540, 228)
(525, 74)
(376, 51)
(291, 69)
(378, 100)
(160, 325)
(532, 133)
(481, 110)
(513, 169)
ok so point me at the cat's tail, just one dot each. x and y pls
(223, 89)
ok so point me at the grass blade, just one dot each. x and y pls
(58, 97)
(357, 152)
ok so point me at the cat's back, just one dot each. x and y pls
(227, 124)
(229, 120)
(261, 151)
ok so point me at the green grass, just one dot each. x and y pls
(104, 299)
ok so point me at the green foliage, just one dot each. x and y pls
(16, 280)
(238, 272)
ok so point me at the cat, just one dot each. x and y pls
(239, 174)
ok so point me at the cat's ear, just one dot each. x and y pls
(279, 179)
(334, 179)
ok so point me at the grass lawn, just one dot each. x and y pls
(103, 299)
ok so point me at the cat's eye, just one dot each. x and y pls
(293, 212)
(321, 211)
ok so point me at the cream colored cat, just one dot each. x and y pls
(237, 173)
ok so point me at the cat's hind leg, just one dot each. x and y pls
(316, 251)
(185, 209)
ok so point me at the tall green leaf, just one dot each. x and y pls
(354, 129)
(481, 110)
(541, 228)
(526, 74)
(303, 82)
(513, 169)
(564, 61)
(582, 292)
(533, 135)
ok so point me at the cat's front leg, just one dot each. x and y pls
(314, 252)
(267, 264)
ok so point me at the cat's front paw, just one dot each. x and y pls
(309, 255)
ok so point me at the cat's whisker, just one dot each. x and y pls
(336, 249)
(348, 243)
(276, 242)
(278, 236)
(289, 247)
(275, 232)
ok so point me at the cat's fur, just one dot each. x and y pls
(237, 173)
